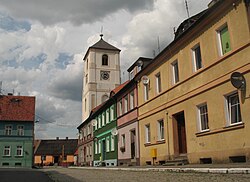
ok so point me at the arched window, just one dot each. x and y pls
(104, 98)
(105, 60)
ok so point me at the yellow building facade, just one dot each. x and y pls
(188, 107)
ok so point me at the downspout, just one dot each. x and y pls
(168, 151)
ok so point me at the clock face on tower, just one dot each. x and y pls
(104, 75)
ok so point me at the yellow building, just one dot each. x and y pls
(188, 107)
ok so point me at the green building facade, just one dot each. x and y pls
(105, 135)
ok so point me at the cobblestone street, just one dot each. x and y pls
(96, 175)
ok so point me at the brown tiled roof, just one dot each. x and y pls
(17, 108)
(117, 89)
(55, 147)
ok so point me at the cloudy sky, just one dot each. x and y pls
(42, 43)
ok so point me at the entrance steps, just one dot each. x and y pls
(177, 161)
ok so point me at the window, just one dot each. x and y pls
(85, 104)
(131, 75)
(112, 143)
(146, 89)
(103, 118)
(20, 130)
(87, 64)
(132, 100)
(99, 122)
(158, 82)
(8, 129)
(126, 104)
(147, 133)
(99, 146)
(90, 150)
(160, 130)
(123, 140)
(197, 57)
(6, 151)
(19, 151)
(175, 72)
(105, 60)
(112, 113)
(89, 130)
(233, 109)
(120, 107)
(203, 117)
(107, 116)
(107, 144)
(224, 40)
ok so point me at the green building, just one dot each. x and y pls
(17, 115)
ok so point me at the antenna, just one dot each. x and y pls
(1, 83)
(187, 8)
(153, 53)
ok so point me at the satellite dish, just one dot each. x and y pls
(238, 80)
(114, 132)
(94, 122)
(145, 79)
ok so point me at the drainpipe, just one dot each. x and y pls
(168, 136)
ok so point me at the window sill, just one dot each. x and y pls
(18, 156)
(7, 156)
(224, 129)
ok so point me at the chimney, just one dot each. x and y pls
(57, 138)
(67, 138)
(10, 93)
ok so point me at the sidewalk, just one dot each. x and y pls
(200, 168)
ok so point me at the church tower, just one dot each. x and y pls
(101, 75)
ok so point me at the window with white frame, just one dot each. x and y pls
(175, 70)
(197, 59)
(147, 133)
(107, 116)
(112, 113)
(126, 104)
(160, 130)
(99, 146)
(233, 109)
(224, 39)
(6, 151)
(107, 144)
(132, 100)
(99, 122)
(123, 140)
(103, 118)
(20, 130)
(120, 107)
(112, 148)
(203, 117)
(8, 129)
(158, 82)
(146, 90)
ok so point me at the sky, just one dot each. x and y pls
(42, 44)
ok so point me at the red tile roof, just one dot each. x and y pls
(17, 108)
(117, 89)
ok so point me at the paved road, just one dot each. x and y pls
(23, 175)
(99, 175)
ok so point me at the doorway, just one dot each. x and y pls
(132, 143)
(103, 150)
(180, 133)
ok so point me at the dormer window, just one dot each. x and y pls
(105, 60)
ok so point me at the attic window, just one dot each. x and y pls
(105, 60)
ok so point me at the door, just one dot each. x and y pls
(180, 133)
(132, 143)
(103, 150)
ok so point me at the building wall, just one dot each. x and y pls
(125, 157)
(26, 141)
(208, 85)
(95, 85)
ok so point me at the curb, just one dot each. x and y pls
(180, 170)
